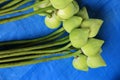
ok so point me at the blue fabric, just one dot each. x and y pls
(33, 27)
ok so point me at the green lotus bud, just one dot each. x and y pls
(79, 37)
(93, 24)
(92, 47)
(60, 4)
(83, 13)
(72, 23)
(44, 4)
(76, 5)
(52, 22)
(67, 12)
(95, 61)
(80, 63)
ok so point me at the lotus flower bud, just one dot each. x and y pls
(67, 12)
(92, 47)
(76, 5)
(60, 4)
(72, 23)
(93, 24)
(80, 63)
(79, 37)
(83, 13)
(95, 61)
(52, 22)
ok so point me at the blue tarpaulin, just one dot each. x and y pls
(34, 27)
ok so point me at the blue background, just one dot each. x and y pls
(33, 27)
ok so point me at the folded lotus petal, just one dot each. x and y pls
(60, 4)
(93, 24)
(83, 13)
(79, 37)
(76, 5)
(80, 63)
(72, 23)
(92, 47)
(96, 61)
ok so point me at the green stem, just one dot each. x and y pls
(13, 2)
(46, 40)
(24, 15)
(36, 52)
(24, 9)
(14, 7)
(2, 1)
(45, 14)
(52, 38)
(32, 53)
(30, 57)
(21, 63)
(33, 40)
(33, 47)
